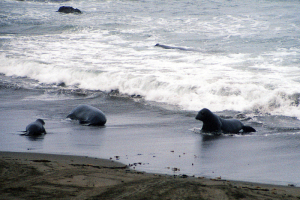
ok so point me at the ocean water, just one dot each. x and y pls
(240, 59)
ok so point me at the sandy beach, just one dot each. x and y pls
(48, 176)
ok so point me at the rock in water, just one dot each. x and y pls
(69, 9)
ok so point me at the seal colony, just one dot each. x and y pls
(91, 116)
(215, 124)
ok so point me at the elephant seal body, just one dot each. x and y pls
(35, 128)
(68, 9)
(170, 47)
(88, 115)
(214, 124)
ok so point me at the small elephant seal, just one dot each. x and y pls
(214, 124)
(169, 47)
(35, 128)
(88, 115)
(68, 9)
(178, 48)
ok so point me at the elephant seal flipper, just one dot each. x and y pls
(214, 124)
(248, 129)
(84, 122)
(88, 115)
(35, 128)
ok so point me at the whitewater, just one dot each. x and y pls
(246, 54)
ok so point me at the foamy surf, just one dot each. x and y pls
(245, 63)
(189, 86)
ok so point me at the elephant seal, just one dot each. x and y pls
(68, 9)
(35, 128)
(214, 124)
(88, 115)
(169, 47)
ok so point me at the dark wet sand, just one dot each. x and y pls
(45, 176)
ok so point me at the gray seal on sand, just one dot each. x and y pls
(88, 115)
(215, 124)
(35, 128)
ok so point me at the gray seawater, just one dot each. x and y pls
(242, 58)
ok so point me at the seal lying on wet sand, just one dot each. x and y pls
(35, 128)
(214, 124)
(88, 115)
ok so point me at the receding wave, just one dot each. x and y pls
(245, 62)
(187, 92)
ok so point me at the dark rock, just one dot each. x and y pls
(69, 9)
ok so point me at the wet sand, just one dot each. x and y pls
(139, 132)
(47, 176)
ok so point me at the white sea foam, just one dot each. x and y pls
(207, 82)
(238, 63)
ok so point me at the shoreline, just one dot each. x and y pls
(159, 138)
(37, 175)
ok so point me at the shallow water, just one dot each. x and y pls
(151, 138)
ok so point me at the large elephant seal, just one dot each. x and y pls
(88, 115)
(68, 9)
(35, 128)
(214, 124)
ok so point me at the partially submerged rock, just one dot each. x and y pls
(69, 9)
